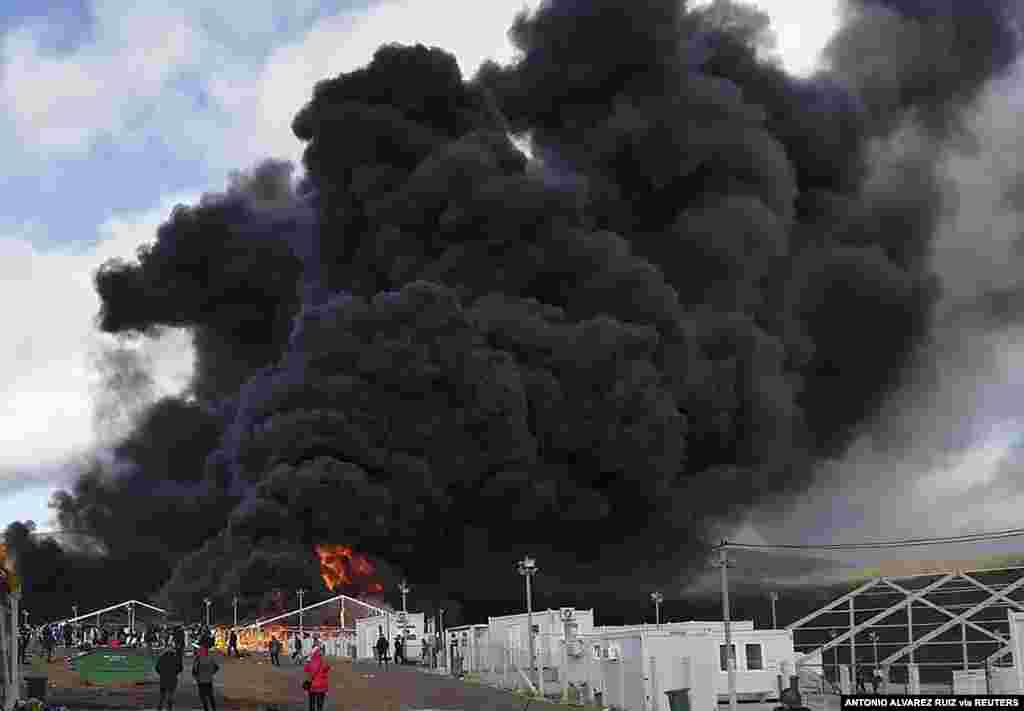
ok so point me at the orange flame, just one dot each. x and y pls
(341, 566)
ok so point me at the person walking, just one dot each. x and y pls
(275, 651)
(203, 669)
(179, 641)
(318, 670)
(233, 644)
(297, 648)
(168, 666)
(876, 680)
(48, 642)
(382, 650)
(23, 645)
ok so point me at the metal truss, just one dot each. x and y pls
(95, 613)
(914, 598)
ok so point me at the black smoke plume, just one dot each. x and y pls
(446, 356)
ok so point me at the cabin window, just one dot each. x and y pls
(723, 662)
(755, 657)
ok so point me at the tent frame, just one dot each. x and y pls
(343, 598)
(936, 583)
(130, 604)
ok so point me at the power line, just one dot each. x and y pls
(878, 545)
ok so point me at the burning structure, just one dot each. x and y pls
(446, 354)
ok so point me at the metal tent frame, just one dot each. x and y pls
(928, 606)
(130, 604)
(298, 611)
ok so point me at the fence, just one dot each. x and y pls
(621, 683)
(906, 678)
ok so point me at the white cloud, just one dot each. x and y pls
(802, 29)
(46, 362)
(473, 32)
(62, 103)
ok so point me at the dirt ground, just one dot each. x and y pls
(253, 684)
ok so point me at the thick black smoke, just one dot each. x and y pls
(446, 357)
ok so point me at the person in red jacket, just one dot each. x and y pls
(318, 669)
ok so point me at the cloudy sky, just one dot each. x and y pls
(116, 111)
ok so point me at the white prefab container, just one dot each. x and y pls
(510, 632)
(632, 668)
(368, 629)
(471, 643)
(761, 655)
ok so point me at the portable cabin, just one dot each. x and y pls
(760, 655)
(632, 668)
(471, 643)
(509, 632)
(411, 625)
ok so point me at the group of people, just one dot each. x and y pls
(381, 647)
(868, 675)
(171, 664)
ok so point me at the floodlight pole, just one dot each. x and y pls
(301, 592)
(658, 599)
(404, 589)
(234, 605)
(730, 661)
(24, 614)
(131, 617)
(74, 612)
(774, 597)
(528, 568)
(207, 601)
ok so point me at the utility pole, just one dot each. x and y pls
(528, 568)
(774, 597)
(234, 605)
(730, 658)
(131, 617)
(658, 599)
(403, 588)
(207, 601)
(74, 613)
(302, 592)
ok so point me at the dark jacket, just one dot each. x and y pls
(203, 668)
(168, 666)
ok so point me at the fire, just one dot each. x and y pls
(8, 572)
(341, 566)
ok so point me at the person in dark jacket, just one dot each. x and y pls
(203, 669)
(179, 641)
(233, 644)
(297, 651)
(275, 651)
(48, 642)
(168, 666)
(382, 650)
(68, 639)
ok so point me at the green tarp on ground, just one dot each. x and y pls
(108, 666)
